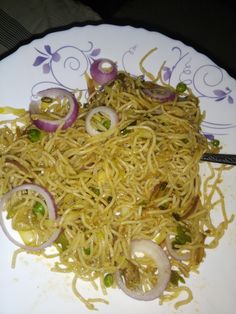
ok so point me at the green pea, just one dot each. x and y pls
(215, 143)
(181, 87)
(38, 209)
(34, 135)
(108, 280)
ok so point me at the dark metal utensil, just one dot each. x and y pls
(227, 159)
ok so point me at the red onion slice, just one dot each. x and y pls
(174, 253)
(67, 121)
(103, 71)
(153, 250)
(158, 92)
(107, 111)
(51, 214)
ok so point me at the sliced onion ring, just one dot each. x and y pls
(174, 253)
(51, 214)
(108, 111)
(52, 125)
(103, 71)
(153, 250)
(158, 92)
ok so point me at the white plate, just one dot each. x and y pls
(61, 59)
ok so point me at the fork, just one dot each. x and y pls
(228, 159)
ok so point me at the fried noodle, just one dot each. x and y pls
(139, 180)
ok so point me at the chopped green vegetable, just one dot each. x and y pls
(163, 185)
(107, 124)
(108, 280)
(182, 236)
(38, 209)
(109, 199)
(215, 143)
(87, 251)
(11, 213)
(62, 241)
(164, 206)
(176, 216)
(185, 140)
(175, 278)
(48, 100)
(34, 135)
(95, 191)
(143, 203)
(126, 130)
(181, 87)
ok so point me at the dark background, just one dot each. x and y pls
(207, 26)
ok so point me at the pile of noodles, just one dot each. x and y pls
(138, 180)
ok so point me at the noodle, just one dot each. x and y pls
(139, 180)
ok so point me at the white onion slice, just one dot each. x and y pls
(175, 253)
(51, 214)
(52, 125)
(154, 251)
(104, 110)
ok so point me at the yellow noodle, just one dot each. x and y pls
(14, 257)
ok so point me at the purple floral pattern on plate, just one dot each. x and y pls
(45, 58)
(78, 61)
(65, 58)
(199, 75)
